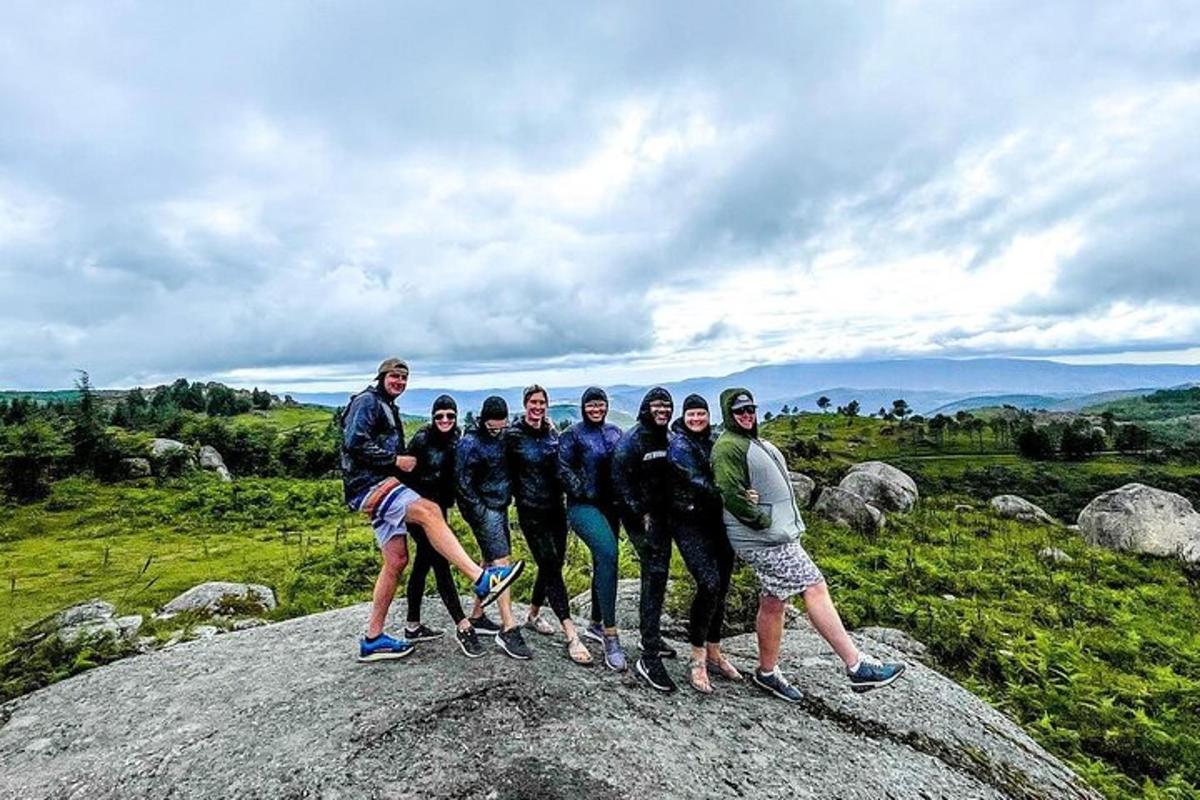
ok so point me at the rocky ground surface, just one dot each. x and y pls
(285, 711)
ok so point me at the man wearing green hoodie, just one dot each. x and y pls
(764, 526)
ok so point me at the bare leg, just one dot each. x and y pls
(825, 619)
(395, 559)
(427, 514)
(568, 629)
(769, 627)
(507, 622)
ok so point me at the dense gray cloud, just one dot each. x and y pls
(273, 192)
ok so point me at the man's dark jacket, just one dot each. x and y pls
(372, 437)
(640, 478)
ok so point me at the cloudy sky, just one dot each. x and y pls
(282, 194)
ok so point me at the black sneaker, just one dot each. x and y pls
(653, 672)
(776, 684)
(513, 645)
(485, 625)
(468, 642)
(666, 651)
(421, 633)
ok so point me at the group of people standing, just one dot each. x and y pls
(662, 482)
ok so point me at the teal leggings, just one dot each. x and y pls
(599, 532)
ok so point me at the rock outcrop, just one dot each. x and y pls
(252, 714)
(1141, 519)
(218, 597)
(210, 459)
(849, 509)
(881, 485)
(1010, 506)
(136, 467)
(93, 619)
(803, 486)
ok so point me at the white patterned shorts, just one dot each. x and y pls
(785, 570)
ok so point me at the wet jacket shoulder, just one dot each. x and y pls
(692, 488)
(480, 472)
(585, 453)
(434, 475)
(640, 470)
(372, 437)
(532, 455)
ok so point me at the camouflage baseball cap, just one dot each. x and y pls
(392, 365)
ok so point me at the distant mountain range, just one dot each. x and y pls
(928, 385)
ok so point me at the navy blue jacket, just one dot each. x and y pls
(585, 454)
(372, 437)
(693, 491)
(480, 471)
(533, 464)
(640, 465)
(434, 476)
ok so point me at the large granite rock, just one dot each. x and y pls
(136, 467)
(849, 509)
(215, 596)
(803, 486)
(1010, 506)
(94, 619)
(228, 716)
(882, 486)
(1141, 519)
(210, 459)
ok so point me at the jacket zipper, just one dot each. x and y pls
(787, 481)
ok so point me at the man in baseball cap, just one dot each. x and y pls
(375, 477)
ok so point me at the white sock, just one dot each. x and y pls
(854, 667)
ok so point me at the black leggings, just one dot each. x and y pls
(426, 559)
(653, 546)
(545, 531)
(709, 558)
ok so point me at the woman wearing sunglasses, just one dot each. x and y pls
(434, 446)
(585, 456)
(532, 450)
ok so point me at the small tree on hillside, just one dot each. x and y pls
(823, 403)
(900, 409)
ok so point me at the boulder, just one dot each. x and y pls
(1010, 506)
(1190, 553)
(231, 716)
(881, 485)
(803, 486)
(848, 509)
(162, 448)
(136, 467)
(1141, 519)
(210, 459)
(93, 619)
(216, 597)
(1054, 556)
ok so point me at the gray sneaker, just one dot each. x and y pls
(595, 632)
(776, 684)
(614, 655)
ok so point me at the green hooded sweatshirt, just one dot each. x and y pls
(742, 461)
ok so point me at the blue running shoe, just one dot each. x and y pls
(874, 674)
(595, 631)
(614, 654)
(383, 648)
(776, 684)
(495, 580)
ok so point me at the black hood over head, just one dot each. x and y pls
(494, 407)
(657, 394)
(444, 402)
(591, 394)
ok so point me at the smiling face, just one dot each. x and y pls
(535, 409)
(395, 382)
(746, 417)
(495, 426)
(444, 420)
(595, 411)
(696, 419)
(660, 411)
